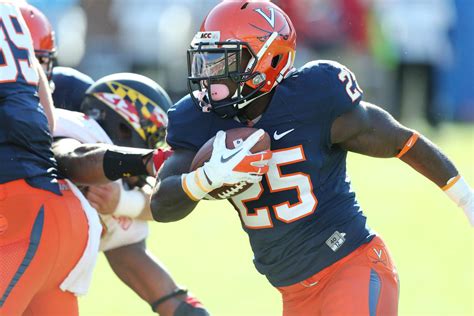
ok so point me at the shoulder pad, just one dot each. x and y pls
(188, 126)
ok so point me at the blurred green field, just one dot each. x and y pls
(429, 238)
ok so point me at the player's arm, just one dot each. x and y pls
(169, 201)
(178, 190)
(369, 130)
(136, 268)
(89, 164)
(115, 199)
(45, 97)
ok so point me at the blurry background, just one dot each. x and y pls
(413, 57)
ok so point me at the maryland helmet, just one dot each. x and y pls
(42, 34)
(255, 27)
(131, 108)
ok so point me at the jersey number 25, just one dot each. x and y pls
(285, 212)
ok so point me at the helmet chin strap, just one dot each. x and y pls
(247, 102)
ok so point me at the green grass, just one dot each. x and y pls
(429, 238)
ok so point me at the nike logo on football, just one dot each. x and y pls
(225, 159)
(277, 136)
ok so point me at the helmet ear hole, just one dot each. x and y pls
(276, 61)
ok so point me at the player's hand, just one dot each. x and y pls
(231, 166)
(104, 198)
(155, 160)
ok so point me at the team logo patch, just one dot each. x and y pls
(377, 255)
(272, 21)
(206, 37)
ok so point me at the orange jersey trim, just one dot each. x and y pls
(199, 182)
(409, 144)
(187, 191)
(451, 182)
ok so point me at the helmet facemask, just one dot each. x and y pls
(213, 67)
(46, 60)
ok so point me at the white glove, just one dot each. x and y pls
(231, 166)
(227, 166)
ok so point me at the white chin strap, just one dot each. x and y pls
(245, 103)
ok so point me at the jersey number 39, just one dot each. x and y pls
(14, 34)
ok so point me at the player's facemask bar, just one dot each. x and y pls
(209, 64)
(46, 59)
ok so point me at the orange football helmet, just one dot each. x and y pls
(258, 26)
(42, 34)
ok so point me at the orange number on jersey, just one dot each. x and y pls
(285, 212)
(21, 40)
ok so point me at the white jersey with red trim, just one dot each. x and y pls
(118, 230)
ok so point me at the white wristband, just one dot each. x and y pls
(461, 193)
(131, 203)
(195, 184)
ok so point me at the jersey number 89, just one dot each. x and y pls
(13, 25)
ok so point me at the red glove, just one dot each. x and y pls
(159, 157)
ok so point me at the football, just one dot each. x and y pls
(234, 137)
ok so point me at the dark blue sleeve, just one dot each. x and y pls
(334, 91)
(70, 86)
(188, 127)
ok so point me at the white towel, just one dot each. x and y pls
(79, 279)
(76, 125)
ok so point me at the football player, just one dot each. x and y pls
(123, 238)
(47, 229)
(129, 108)
(306, 228)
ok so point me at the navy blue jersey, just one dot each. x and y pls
(25, 141)
(70, 88)
(303, 216)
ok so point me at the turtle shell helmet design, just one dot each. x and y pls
(131, 108)
(255, 27)
(42, 34)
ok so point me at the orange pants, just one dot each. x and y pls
(42, 236)
(363, 283)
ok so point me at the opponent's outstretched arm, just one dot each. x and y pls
(89, 164)
(44, 93)
(147, 277)
(371, 131)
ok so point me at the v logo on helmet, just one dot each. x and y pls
(270, 19)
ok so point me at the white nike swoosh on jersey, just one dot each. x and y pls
(277, 136)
